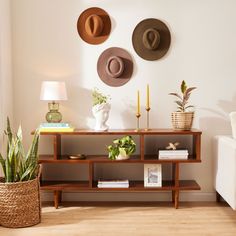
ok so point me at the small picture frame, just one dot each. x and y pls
(152, 175)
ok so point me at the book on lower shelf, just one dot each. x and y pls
(173, 154)
(113, 183)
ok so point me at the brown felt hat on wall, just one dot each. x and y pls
(151, 39)
(115, 66)
(94, 25)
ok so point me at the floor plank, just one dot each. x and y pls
(99, 219)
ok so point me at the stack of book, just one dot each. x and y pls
(173, 154)
(56, 127)
(113, 183)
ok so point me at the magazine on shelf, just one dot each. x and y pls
(173, 154)
(113, 186)
(180, 157)
(113, 183)
(118, 181)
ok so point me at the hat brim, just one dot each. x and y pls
(128, 66)
(81, 25)
(137, 39)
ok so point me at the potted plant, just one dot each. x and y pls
(101, 109)
(19, 188)
(122, 148)
(182, 119)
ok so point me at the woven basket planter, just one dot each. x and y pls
(20, 203)
(182, 120)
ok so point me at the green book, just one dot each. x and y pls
(55, 125)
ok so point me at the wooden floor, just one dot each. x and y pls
(133, 219)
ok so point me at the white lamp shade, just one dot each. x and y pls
(53, 91)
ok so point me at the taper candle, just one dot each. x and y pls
(138, 103)
(148, 98)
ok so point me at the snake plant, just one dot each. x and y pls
(18, 166)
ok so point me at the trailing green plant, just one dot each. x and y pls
(124, 146)
(18, 166)
(98, 97)
(182, 103)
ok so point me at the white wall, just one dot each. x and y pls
(46, 46)
(5, 69)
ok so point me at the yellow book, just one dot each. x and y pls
(53, 130)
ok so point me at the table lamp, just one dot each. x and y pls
(53, 91)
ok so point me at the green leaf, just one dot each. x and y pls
(33, 173)
(122, 151)
(32, 155)
(183, 87)
(8, 175)
(3, 163)
(9, 132)
(27, 172)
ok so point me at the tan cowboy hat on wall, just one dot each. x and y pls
(94, 25)
(151, 39)
(115, 66)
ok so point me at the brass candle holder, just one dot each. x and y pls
(138, 115)
(147, 109)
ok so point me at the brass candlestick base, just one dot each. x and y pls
(138, 116)
(147, 109)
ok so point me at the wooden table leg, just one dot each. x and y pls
(91, 170)
(60, 196)
(218, 197)
(176, 199)
(56, 199)
(173, 196)
(175, 178)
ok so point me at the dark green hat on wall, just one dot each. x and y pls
(151, 39)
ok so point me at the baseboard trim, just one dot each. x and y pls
(131, 197)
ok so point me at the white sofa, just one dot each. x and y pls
(225, 168)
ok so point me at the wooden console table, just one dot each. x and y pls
(175, 185)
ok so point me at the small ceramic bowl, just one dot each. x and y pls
(77, 157)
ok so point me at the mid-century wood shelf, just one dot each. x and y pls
(126, 132)
(175, 185)
(135, 186)
(104, 159)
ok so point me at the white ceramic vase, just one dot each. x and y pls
(101, 114)
(122, 157)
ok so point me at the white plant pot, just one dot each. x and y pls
(101, 114)
(122, 157)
